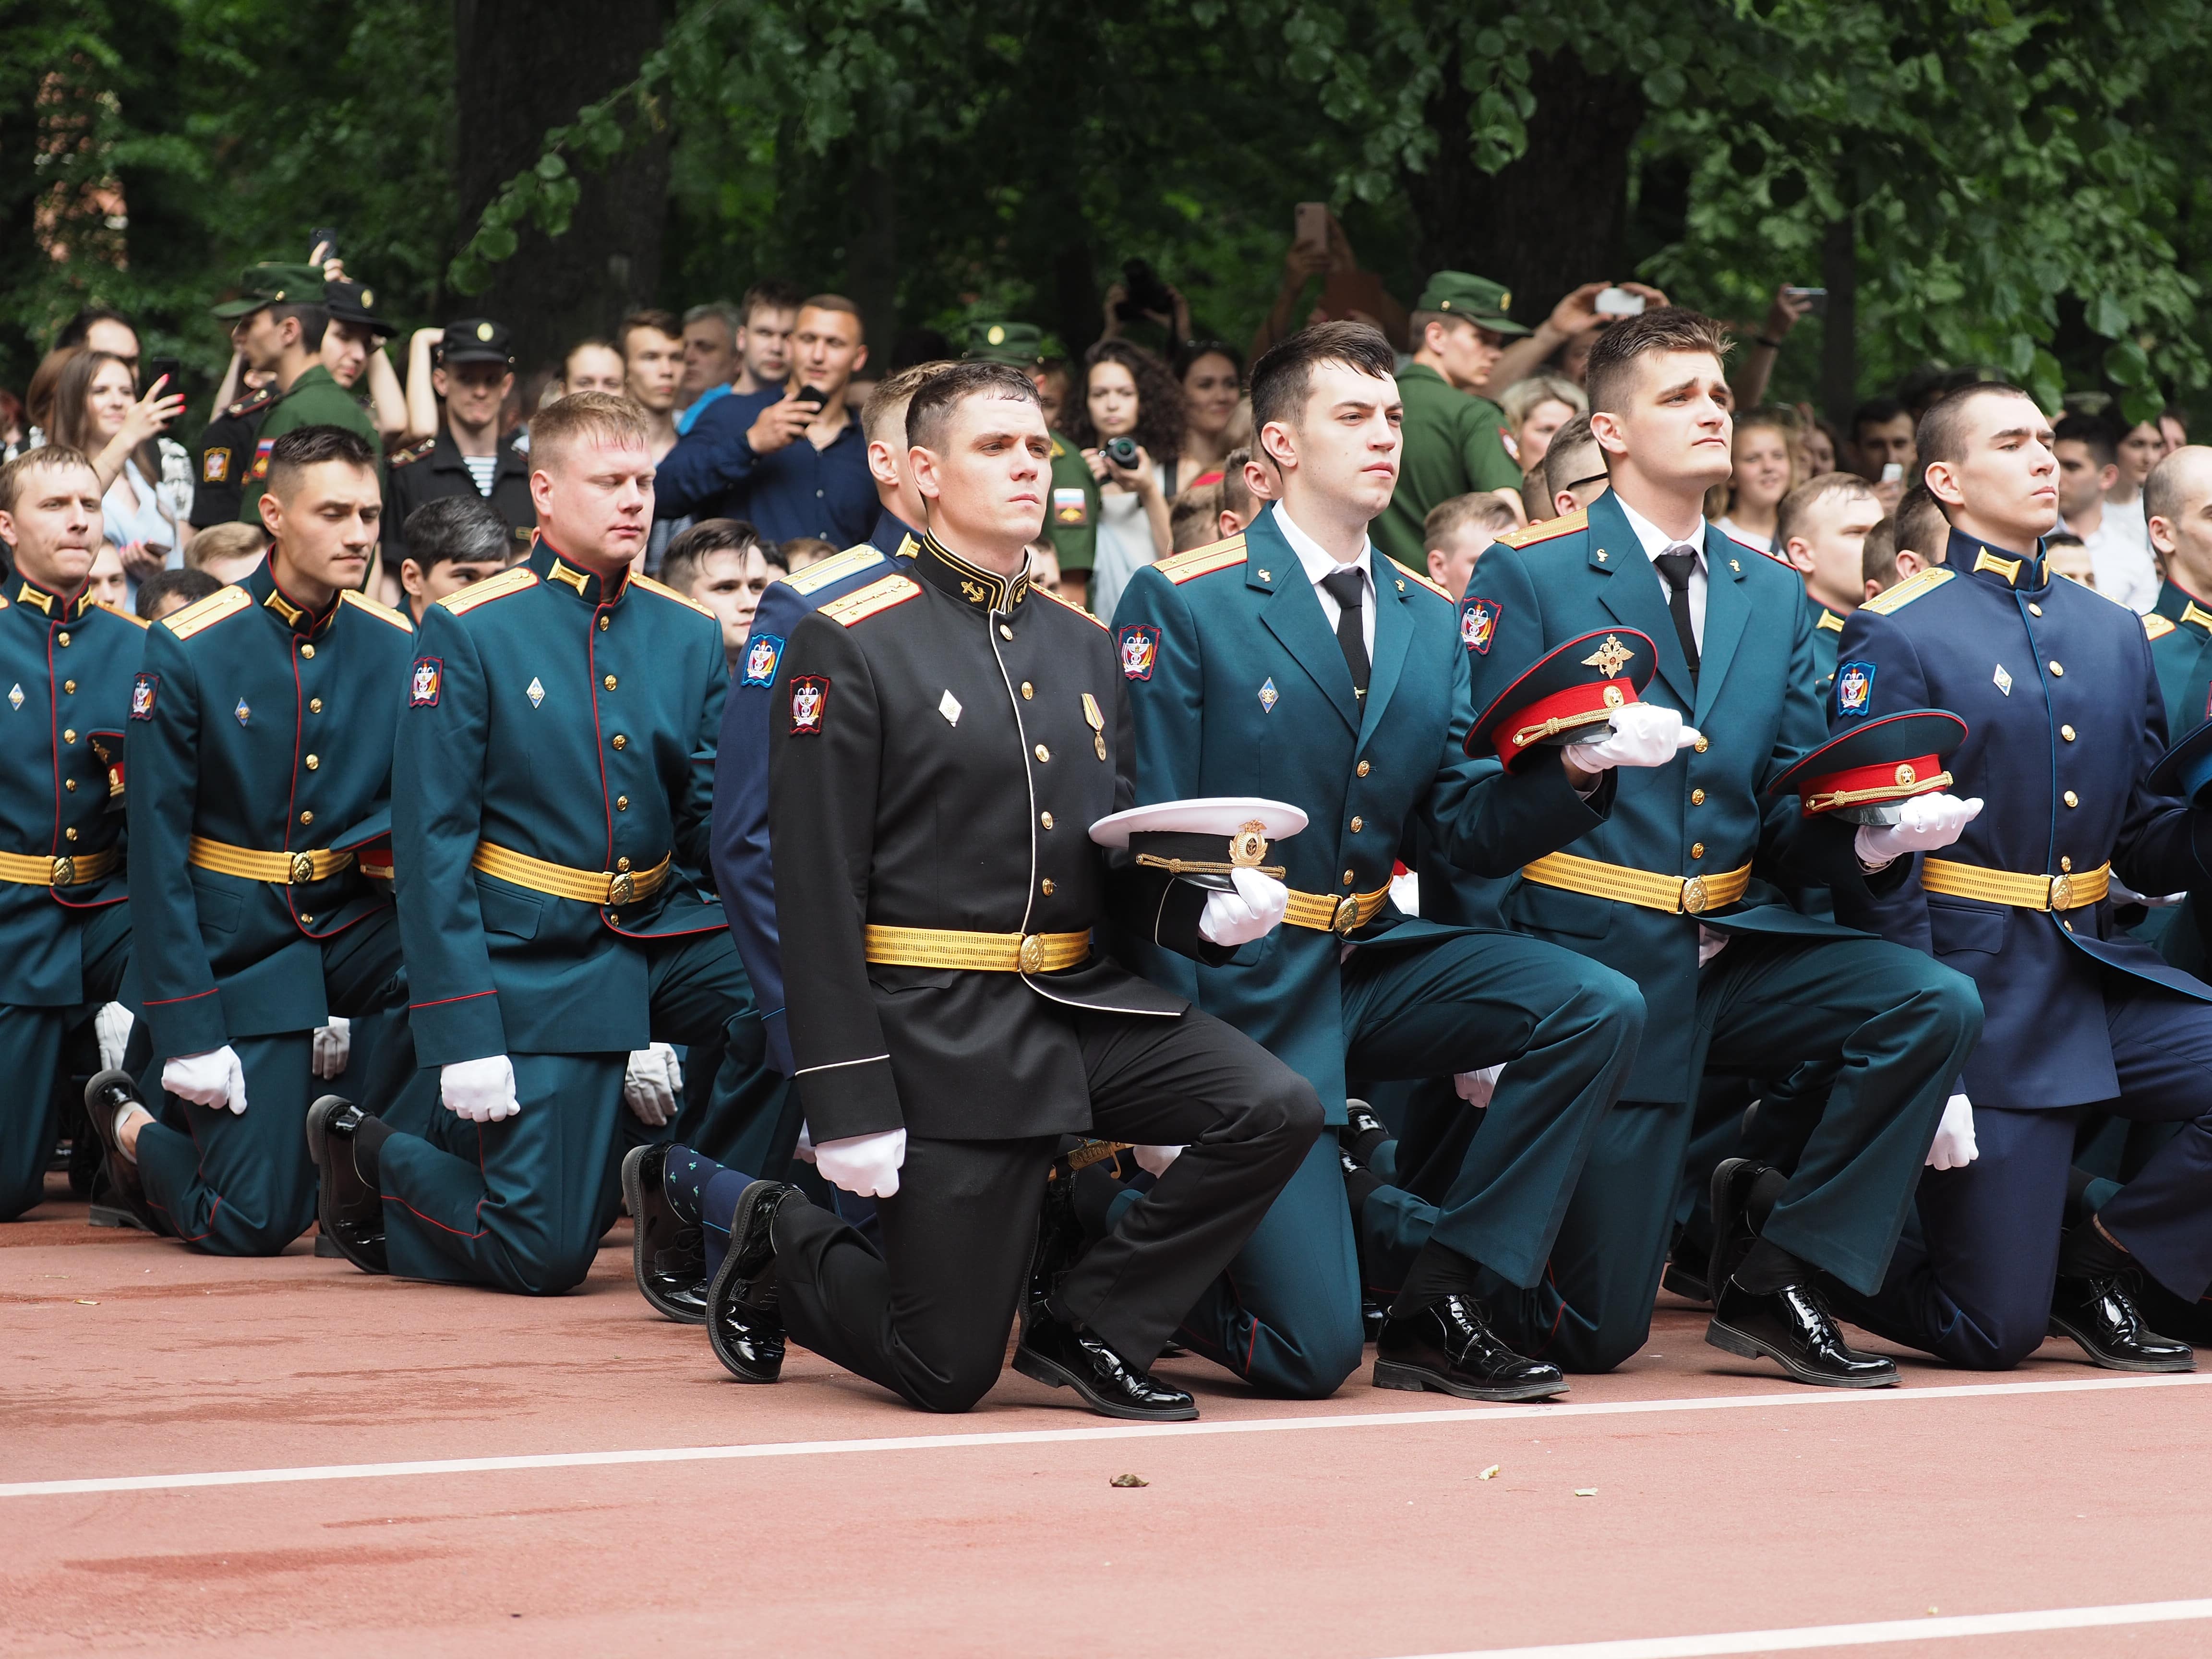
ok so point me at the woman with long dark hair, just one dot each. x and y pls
(1128, 392)
(98, 410)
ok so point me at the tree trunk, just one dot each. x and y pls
(1552, 219)
(1839, 324)
(520, 68)
(871, 261)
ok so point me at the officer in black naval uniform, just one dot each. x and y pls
(434, 467)
(941, 741)
(226, 453)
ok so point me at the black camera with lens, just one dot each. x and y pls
(1121, 452)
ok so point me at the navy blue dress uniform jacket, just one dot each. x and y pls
(1703, 813)
(550, 715)
(66, 665)
(2064, 719)
(258, 724)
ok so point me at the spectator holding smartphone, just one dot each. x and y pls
(1130, 410)
(98, 410)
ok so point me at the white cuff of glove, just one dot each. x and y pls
(1475, 1088)
(111, 1028)
(1643, 734)
(1953, 1147)
(480, 1091)
(333, 1048)
(1253, 911)
(864, 1165)
(804, 1151)
(214, 1079)
(651, 1083)
(1928, 823)
(1154, 1160)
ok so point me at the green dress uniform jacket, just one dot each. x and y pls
(313, 399)
(1072, 524)
(2178, 625)
(1452, 446)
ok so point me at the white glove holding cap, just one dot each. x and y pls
(651, 1083)
(333, 1048)
(480, 1091)
(866, 1165)
(1643, 734)
(1253, 911)
(214, 1079)
(1954, 1148)
(1929, 823)
(1154, 1160)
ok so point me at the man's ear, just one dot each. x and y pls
(1798, 552)
(2161, 528)
(541, 491)
(1943, 484)
(1280, 445)
(881, 467)
(1436, 565)
(927, 478)
(2106, 477)
(1605, 427)
(272, 514)
(859, 360)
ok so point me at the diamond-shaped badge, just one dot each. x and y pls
(536, 692)
(243, 713)
(16, 695)
(949, 706)
(2003, 680)
(1268, 697)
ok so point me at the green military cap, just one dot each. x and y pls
(268, 284)
(1020, 343)
(1477, 299)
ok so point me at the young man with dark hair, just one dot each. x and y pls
(2065, 726)
(260, 805)
(64, 922)
(102, 328)
(767, 315)
(1574, 469)
(1072, 525)
(940, 1090)
(720, 564)
(1296, 659)
(652, 346)
(166, 593)
(2088, 449)
(1881, 438)
(472, 376)
(452, 542)
(591, 365)
(1638, 851)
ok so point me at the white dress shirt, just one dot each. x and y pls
(1318, 561)
(1656, 541)
(2120, 560)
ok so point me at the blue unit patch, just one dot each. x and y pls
(762, 653)
(1855, 688)
(144, 689)
(1478, 624)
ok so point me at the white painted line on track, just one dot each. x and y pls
(1797, 1397)
(1853, 1636)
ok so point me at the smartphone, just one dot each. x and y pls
(1618, 302)
(156, 368)
(812, 394)
(1818, 296)
(1891, 472)
(322, 246)
(1312, 222)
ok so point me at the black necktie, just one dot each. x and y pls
(1675, 567)
(1348, 587)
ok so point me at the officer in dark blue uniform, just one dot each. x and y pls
(65, 665)
(2067, 721)
(260, 739)
(1671, 864)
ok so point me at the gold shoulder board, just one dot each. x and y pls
(1069, 604)
(1910, 588)
(1435, 588)
(204, 613)
(383, 613)
(136, 621)
(668, 592)
(1545, 530)
(511, 580)
(1181, 567)
(2156, 627)
(865, 602)
(835, 568)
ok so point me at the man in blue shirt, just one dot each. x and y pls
(792, 459)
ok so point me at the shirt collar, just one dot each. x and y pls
(1656, 541)
(971, 584)
(56, 608)
(289, 614)
(565, 573)
(1318, 561)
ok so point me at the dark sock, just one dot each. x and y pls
(368, 1150)
(1765, 1193)
(2078, 1208)
(684, 1179)
(1768, 1267)
(1437, 1272)
(2086, 1253)
(1092, 1196)
(1360, 1185)
(1362, 1148)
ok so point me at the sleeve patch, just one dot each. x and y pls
(1070, 509)
(809, 702)
(1855, 688)
(261, 457)
(1140, 651)
(762, 653)
(424, 685)
(144, 689)
(1478, 624)
(214, 465)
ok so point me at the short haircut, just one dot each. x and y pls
(1534, 499)
(78, 329)
(456, 530)
(2166, 492)
(1236, 494)
(592, 417)
(837, 302)
(1283, 378)
(929, 411)
(595, 342)
(888, 402)
(2095, 433)
(314, 322)
(1875, 411)
(314, 446)
(689, 549)
(1921, 525)
(1522, 398)
(803, 550)
(1478, 507)
(721, 310)
(1195, 520)
(660, 322)
(1417, 324)
(1611, 370)
(1878, 554)
(769, 293)
(1573, 454)
(1941, 434)
(189, 585)
(224, 541)
(47, 458)
(1798, 505)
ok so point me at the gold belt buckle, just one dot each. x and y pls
(1346, 917)
(1031, 956)
(2062, 893)
(1694, 896)
(64, 871)
(622, 888)
(303, 869)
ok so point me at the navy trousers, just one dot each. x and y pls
(31, 1045)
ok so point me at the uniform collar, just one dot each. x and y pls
(289, 613)
(971, 584)
(569, 577)
(2015, 572)
(2184, 609)
(56, 608)
(893, 537)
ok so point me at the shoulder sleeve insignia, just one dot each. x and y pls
(1069, 604)
(511, 581)
(1911, 588)
(204, 613)
(383, 613)
(408, 454)
(876, 597)
(1181, 567)
(668, 592)
(1830, 622)
(1413, 575)
(836, 568)
(1545, 530)
(2156, 627)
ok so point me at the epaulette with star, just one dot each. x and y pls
(253, 402)
(204, 613)
(1893, 599)
(2156, 627)
(1413, 575)
(835, 568)
(1546, 530)
(872, 600)
(408, 454)
(646, 585)
(1069, 604)
(383, 613)
(1181, 567)
(512, 579)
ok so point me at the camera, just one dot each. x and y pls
(1146, 292)
(1121, 452)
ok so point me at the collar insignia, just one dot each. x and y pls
(2009, 569)
(573, 578)
(283, 607)
(29, 595)
(2195, 613)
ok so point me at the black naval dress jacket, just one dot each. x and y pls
(941, 741)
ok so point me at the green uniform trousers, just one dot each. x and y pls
(519, 1205)
(31, 1046)
(1286, 1315)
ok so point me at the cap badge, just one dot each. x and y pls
(1609, 658)
(1249, 846)
(368, 298)
(1505, 298)
(996, 335)
(483, 331)
(1905, 774)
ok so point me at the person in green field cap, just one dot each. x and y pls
(1072, 520)
(1453, 441)
(277, 322)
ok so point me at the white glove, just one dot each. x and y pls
(805, 1151)
(1475, 1088)
(1253, 911)
(866, 1165)
(651, 1085)
(1954, 1147)
(1643, 734)
(111, 1028)
(214, 1079)
(481, 1090)
(1929, 822)
(333, 1046)
(1154, 1160)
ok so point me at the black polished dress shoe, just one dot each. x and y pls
(1059, 1234)
(1448, 1347)
(1686, 1282)
(668, 1254)
(1054, 1353)
(350, 1210)
(744, 1324)
(104, 1096)
(1733, 1233)
(1794, 1328)
(2101, 1314)
(2184, 1321)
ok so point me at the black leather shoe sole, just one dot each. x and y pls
(1054, 1375)
(1729, 1340)
(1685, 1283)
(1420, 1379)
(2115, 1362)
(364, 1254)
(640, 1260)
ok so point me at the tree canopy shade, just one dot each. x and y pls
(1988, 184)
